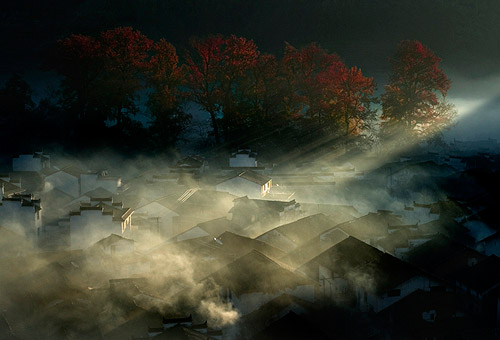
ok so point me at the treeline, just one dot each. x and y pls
(250, 97)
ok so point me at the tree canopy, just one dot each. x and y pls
(247, 95)
(414, 100)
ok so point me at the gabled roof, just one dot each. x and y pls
(491, 237)
(249, 175)
(73, 170)
(314, 247)
(232, 243)
(301, 231)
(371, 225)
(112, 239)
(213, 227)
(254, 177)
(116, 210)
(443, 257)
(260, 204)
(98, 192)
(244, 152)
(255, 272)
(354, 259)
(188, 318)
(191, 161)
(10, 188)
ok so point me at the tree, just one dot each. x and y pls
(306, 73)
(414, 100)
(166, 77)
(123, 55)
(101, 75)
(348, 96)
(217, 67)
(204, 65)
(16, 116)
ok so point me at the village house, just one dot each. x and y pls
(208, 253)
(490, 245)
(92, 180)
(160, 215)
(243, 158)
(191, 164)
(256, 216)
(288, 237)
(360, 275)
(7, 189)
(315, 246)
(34, 162)
(21, 213)
(371, 227)
(197, 205)
(212, 228)
(93, 222)
(76, 182)
(247, 183)
(402, 175)
(254, 279)
(66, 180)
(116, 245)
(419, 213)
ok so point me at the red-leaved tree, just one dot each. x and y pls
(217, 67)
(166, 77)
(101, 75)
(305, 79)
(414, 100)
(348, 96)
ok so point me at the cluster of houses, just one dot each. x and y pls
(247, 250)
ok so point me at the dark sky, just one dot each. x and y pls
(464, 33)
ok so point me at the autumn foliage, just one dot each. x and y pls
(414, 100)
(246, 93)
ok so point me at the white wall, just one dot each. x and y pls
(22, 220)
(242, 160)
(241, 187)
(88, 182)
(27, 163)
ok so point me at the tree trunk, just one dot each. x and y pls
(215, 127)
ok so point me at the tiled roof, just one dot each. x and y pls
(255, 177)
